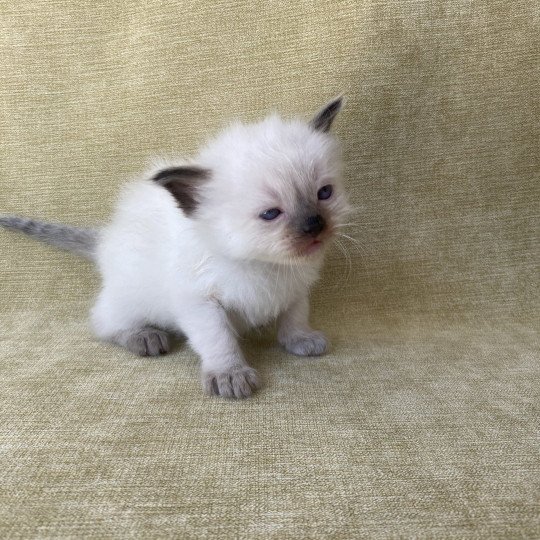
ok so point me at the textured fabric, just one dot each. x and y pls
(423, 421)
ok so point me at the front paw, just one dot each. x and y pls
(237, 382)
(311, 343)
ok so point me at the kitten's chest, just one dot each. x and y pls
(259, 293)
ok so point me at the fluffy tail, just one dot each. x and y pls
(80, 241)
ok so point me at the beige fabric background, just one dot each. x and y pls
(424, 419)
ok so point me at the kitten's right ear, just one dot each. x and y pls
(183, 183)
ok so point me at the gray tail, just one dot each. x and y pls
(80, 241)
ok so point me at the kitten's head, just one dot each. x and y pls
(269, 191)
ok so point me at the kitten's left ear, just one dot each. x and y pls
(184, 184)
(324, 118)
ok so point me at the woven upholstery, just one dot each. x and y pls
(423, 421)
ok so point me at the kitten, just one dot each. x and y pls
(212, 248)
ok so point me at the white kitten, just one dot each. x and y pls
(209, 249)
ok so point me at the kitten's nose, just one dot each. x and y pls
(314, 225)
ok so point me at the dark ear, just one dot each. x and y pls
(183, 183)
(324, 118)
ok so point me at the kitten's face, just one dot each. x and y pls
(276, 194)
(274, 191)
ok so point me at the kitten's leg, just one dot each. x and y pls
(295, 334)
(224, 370)
(114, 324)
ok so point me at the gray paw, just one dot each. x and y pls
(306, 344)
(148, 342)
(238, 382)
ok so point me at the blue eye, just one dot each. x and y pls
(270, 214)
(325, 192)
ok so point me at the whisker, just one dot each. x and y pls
(348, 259)
(362, 248)
(349, 237)
(277, 279)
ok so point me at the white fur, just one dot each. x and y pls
(223, 270)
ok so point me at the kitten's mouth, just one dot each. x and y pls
(310, 248)
(313, 246)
